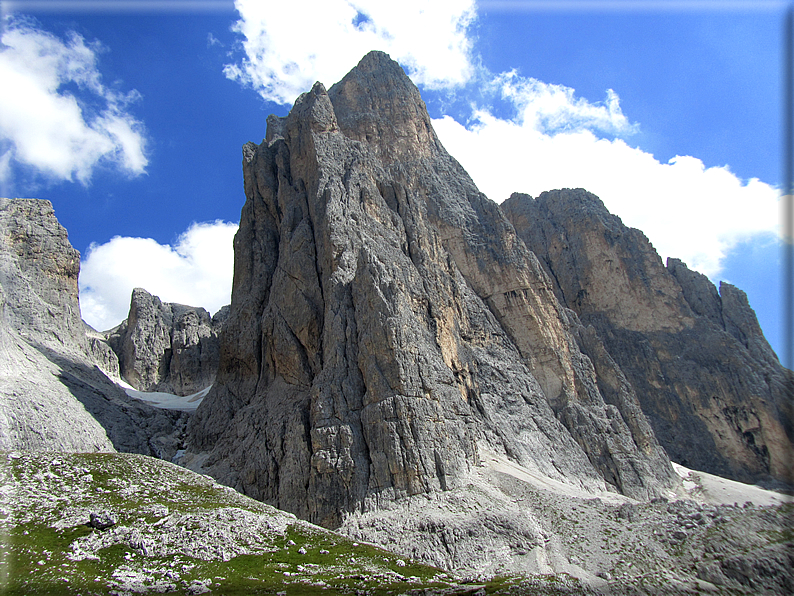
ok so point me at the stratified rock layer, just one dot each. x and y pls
(53, 396)
(168, 347)
(386, 319)
(711, 386)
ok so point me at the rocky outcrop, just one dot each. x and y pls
(708, 381)
(53, 394)
(167, 347)
(386, 321)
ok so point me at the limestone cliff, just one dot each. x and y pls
(166, 346)
(386, 321)
(712, 388)
(53, 395)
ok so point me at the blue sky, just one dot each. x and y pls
(130, 116)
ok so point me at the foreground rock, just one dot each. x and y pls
(711, 386)
(128, 524)
(386, 319)
(53, 394)
(167, 347)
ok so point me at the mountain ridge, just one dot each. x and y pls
(689, 335)
(408, 362)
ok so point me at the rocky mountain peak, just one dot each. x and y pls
(378, 104)
(38, 275)
(387, 323)
(165, 346)
(672, 334)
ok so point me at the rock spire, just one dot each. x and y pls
(387, 321)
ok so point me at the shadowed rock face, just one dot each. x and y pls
(386, 320)
(53, 396)
(168, 347)
(706, 377)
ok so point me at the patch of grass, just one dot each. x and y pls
(140, 492)
(781, 536)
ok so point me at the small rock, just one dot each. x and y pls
(679, 534)
(711, 574)
(101, 520)
(198, 587)
(302, 550)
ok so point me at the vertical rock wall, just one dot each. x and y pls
(712, 388)
(386, 319)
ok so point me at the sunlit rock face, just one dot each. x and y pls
(707, 380)
(386, 322)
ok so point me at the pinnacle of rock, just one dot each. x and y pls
(386, 321)
(165, 346)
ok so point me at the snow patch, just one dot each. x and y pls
(716, 490)
(167, 401)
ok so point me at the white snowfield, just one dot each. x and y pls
(167, 401)
(707, 488)
(697, 486)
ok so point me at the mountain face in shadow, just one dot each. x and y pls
(706, 378)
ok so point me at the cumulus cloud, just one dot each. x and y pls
(687, 210)
(45, 124)
(290, 45)
(552, 139)
(196, 270)
(552, 109)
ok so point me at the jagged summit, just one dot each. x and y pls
(167, 347)
(386, 322)
(377, 103)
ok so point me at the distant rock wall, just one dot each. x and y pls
(386, 320)
(167, 347)
(708, 381)
(54, 394)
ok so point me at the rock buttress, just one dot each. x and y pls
(712, 388)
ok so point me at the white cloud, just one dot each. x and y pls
(290, 45)
(554, 139)
(47, 126)
(196, 271)
(555, 108)
(686, 210)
